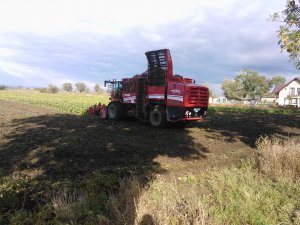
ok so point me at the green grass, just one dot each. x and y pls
(235, 195)
(244, 196)
(252, 109)
(80, 201)
(68, 102)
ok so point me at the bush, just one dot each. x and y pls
(52, 89)
(43, 90)
(67, 87)
(279, 157)
(2, 87)
(12, 191)
(98, 89)
(81, 87)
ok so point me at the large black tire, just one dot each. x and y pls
(158, 116)
(115, 111)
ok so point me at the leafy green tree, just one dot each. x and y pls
(289, 31)
(98, 89)
(249, 84)
(42, 90)
(2, 87)
(67, 87)
(52, 89)
(232, 89)
(254, 85)
(210, 92)
(80, 86)
(276, 80)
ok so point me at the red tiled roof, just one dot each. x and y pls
(277, 88)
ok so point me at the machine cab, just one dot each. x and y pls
(115, 87)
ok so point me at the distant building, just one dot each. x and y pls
(289, 93)
(218, 100)
(268, 99)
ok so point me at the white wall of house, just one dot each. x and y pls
(285, 92)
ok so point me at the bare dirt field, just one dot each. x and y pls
(50, 145)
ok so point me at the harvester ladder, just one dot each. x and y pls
(140, 99)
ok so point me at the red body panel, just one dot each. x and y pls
(196, 96)
(187, 95)
(156, 93)
(175, 94)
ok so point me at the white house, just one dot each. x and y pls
(288, 94)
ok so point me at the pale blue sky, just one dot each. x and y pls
(57, 41)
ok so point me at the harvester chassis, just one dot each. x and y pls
(157, 95)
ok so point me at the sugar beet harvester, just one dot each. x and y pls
(156, 95)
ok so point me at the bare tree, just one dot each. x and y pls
(52, 89)
(67, 87)
(98, 89)
(80, 86)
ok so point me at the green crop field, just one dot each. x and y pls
(78, 103)
(69, 102)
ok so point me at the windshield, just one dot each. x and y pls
(116, 86)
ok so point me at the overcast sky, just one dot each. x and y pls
(57, 41)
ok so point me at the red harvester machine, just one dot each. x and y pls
(156, 95)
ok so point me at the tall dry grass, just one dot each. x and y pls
(279, 157)
(122, 205)
(160, 202)
(170, 202)
(66, 204)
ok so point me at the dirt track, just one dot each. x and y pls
(49, 144)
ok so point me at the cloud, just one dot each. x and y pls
(91, 41)
(98, 16)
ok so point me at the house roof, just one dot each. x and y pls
(278, 88)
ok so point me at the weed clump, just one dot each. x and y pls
(279, 157)
(171, 202)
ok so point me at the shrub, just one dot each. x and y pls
(43, 90)
(52, 89)
(81, 87)
(279, 157)
(98, 89)
(67, 87)
(12, 193)
(2, 87)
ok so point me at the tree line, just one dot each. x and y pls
(249, 84)
(68, 87)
